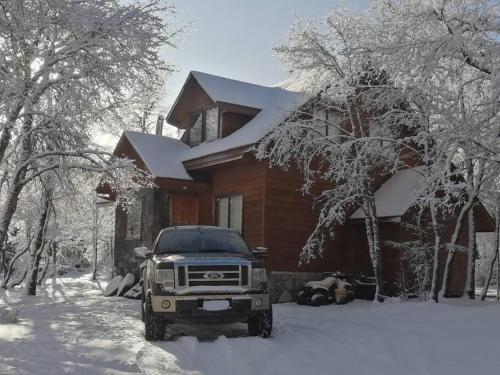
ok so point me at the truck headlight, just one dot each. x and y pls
(259, 276)
(165, 277)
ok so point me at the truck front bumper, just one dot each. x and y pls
(190, 308)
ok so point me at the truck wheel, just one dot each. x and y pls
(262, 324)
(318, 300)
(154, 325)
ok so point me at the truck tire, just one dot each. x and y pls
(154, 325)
(302, 298)
(318, 300)
(261, 325)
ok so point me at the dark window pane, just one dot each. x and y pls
(211, 125)
(195, 131)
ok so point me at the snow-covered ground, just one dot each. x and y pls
(72, 329)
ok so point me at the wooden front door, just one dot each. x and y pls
(183, 209)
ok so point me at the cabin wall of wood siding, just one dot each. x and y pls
(244, 177)
(290, 219)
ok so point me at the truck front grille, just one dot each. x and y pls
(213, 275)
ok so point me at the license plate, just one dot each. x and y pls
(215, 305)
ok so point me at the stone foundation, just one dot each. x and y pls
(283, 286)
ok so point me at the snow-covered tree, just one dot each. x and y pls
(66, 73)
(447, 54)
(434, 104)
(352, 131)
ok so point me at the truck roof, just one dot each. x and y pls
(198, 227)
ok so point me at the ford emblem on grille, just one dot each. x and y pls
(213, 275)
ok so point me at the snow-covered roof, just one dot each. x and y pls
(396, 195)
(226, 90)
(275, 104)
(296, 84)
(162, 155)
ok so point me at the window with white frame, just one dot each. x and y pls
(134, 219)
(230, 211)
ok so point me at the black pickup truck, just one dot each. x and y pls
(204, 274)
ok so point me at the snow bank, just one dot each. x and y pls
(72, 328)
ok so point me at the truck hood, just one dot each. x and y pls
(194, 257)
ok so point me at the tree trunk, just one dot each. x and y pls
(495, 257)
(474, 185)
(16, 185)
(498, 272)
(40, 236)
(470, 283)
(21, 279)
(3, 263)
(435, 260)
(94, 240)
(10, 268)
(445, 287)
(44, 270)
(372, 232)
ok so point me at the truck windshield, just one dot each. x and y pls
(199, 241)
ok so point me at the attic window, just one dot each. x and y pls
(196, 128)
(204, 126)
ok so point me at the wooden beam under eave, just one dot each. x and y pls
(184, 186)
(215, 159)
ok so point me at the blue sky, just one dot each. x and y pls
(234, 38)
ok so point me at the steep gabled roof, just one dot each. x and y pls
(226, 90)
(396, 195)
(161, 155)
(275, 104)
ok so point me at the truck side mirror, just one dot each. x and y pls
(142, 252)
(260, 252)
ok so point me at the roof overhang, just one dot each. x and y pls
(217, 158)
(396, 196)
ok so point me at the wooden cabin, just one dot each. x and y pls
(210, 176)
